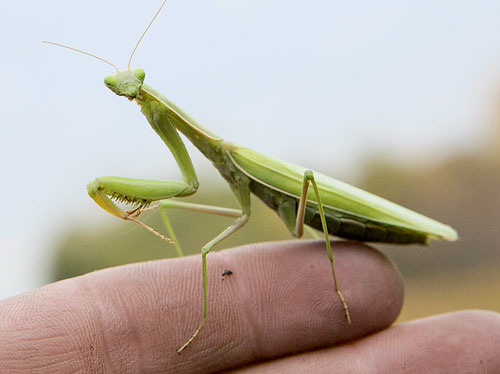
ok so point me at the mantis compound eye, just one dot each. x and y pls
(140, 74)
(110, 81)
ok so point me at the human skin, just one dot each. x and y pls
(276, 313)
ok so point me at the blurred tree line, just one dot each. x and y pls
(463, 191)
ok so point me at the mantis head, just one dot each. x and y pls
(126, 83)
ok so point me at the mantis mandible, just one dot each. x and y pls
(331, 206)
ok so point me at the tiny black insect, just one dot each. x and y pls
(226, 272)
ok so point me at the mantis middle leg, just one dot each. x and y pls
(242, 193)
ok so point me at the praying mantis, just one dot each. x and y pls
(298, 195)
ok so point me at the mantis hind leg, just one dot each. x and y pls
(299, 230)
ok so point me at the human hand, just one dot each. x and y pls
(278, 308)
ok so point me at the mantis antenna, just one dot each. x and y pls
(83, 52)
(144, 33)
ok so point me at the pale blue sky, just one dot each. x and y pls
(319, 83)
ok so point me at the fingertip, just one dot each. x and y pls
(286, 290)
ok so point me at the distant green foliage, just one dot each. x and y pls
(463, 192)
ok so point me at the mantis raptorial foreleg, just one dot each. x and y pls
(134, 191)
(142, 192)
(299, 229)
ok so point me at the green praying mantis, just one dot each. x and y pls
(330, 206)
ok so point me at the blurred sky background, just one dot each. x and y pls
(318, 83)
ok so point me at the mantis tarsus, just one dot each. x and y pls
(332, 207)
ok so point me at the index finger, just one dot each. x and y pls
(279, 300)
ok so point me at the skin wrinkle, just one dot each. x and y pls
(332, 306)
(257, 272)
(127, 323)
(157, 295)
(320, 282)
(151, 296)
(127, 319)
(99, 357)
(220, 320)
(159, 279)
(354, 283)
(51, 326)
(85, 326)
(245, 301)
(224, 312)
(238, 282)
(320, 308)
(385, 302)
(191, 288)
(43, 320)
